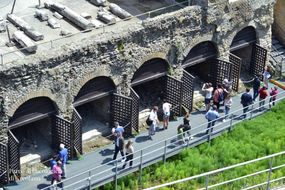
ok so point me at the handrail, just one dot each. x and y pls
(174, 137)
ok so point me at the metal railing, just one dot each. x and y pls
(112, 171)
(140, 17)
(267, 183)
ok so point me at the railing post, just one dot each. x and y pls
(116, 175)
(209, 131)
(164, 156)
(251, 111)
(207, 182)
(269, 174)
(148, 14)
(2, 59)
(140, 176)
(51, 44)
(231, 123)
(89, 180)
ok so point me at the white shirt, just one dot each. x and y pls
(153, 117)
(166, 108)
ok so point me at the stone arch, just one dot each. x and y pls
(33, 94)
(81, 82)
(161, 55)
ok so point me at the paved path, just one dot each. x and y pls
(102, 156)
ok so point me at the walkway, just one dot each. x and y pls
(103, 155)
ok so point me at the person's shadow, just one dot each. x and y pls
(107, 160)
(106, 152)
(142, 139)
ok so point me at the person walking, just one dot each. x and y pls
(187, 126)
(154, 121)
(266, 76)
(63, 157)
(166, 113)
(119, 147)
(218, 96)
(129, 153)
(228, 103)
(53, 161)
(273, 95)
(262, 96)
(207, 87)
(212, 115)
(255, 86)
(246, 100)
(56, 174)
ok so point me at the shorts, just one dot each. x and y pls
(166, 115)
(207, 100)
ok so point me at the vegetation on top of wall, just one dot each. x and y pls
(249, 140)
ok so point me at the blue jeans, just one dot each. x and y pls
(227, 110)
(210, 124)
(255, 94)
(245, 109)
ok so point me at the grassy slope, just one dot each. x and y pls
(249, 140)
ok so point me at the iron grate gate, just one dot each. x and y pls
(77, 127)
(258, 60)
(235, 71)
(62, 133)
(220, 70)
(135, 110)
(173, 94)
(121, 109)
(4, 164)
(13, 157)
(188, 90)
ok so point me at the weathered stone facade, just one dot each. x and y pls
(60, 73)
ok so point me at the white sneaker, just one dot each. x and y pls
(224, 120)
(191, 137)
(123, 160)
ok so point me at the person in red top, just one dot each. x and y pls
(262, 96)
(273, 95)
(218, 96)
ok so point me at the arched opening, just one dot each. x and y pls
(31, 125)
(149, 82)
(198, 62)
(93, 103)
(242, 46)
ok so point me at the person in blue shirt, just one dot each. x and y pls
(212, 115)
(53, 161)
(255, 86)
(63, 156)
(246, 100)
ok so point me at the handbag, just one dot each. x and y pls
(148, 121)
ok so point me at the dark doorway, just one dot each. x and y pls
(31, 125)
(93, 103)
(242, 46)
(149, 82)
(198, 63)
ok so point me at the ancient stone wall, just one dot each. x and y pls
(279, 16)
(60, 73)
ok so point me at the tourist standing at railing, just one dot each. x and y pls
(246, 100)
(255, 86)
(266, 76)
(187, 126)
(227, 103)
(218, 96)
(56, 174)
(207, 87)
(273, 96)
(166, 113)
(119, 147)
(154, 121)
(63, 156)
(129, 153)
(262, 96)
(212, 115)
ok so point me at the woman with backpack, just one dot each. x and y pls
(218, 96)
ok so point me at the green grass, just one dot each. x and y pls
(249, 140)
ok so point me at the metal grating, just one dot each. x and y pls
(3, 164)
(235, 71)
(62, 133)
(121, 108)
(14, 157)
(220, 70)
(173, 93)
(188, 90)
(77, 128)
(135, 110)
(258, 60)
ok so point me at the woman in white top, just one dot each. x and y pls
(129, 153)
(208, 88)
(228, 103)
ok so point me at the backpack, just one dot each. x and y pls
(148, 121)
(220, 96)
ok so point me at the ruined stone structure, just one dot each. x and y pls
(49, 84)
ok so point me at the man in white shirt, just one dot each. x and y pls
(155, 121)
(166, 113)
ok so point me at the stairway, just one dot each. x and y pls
(277, 54)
